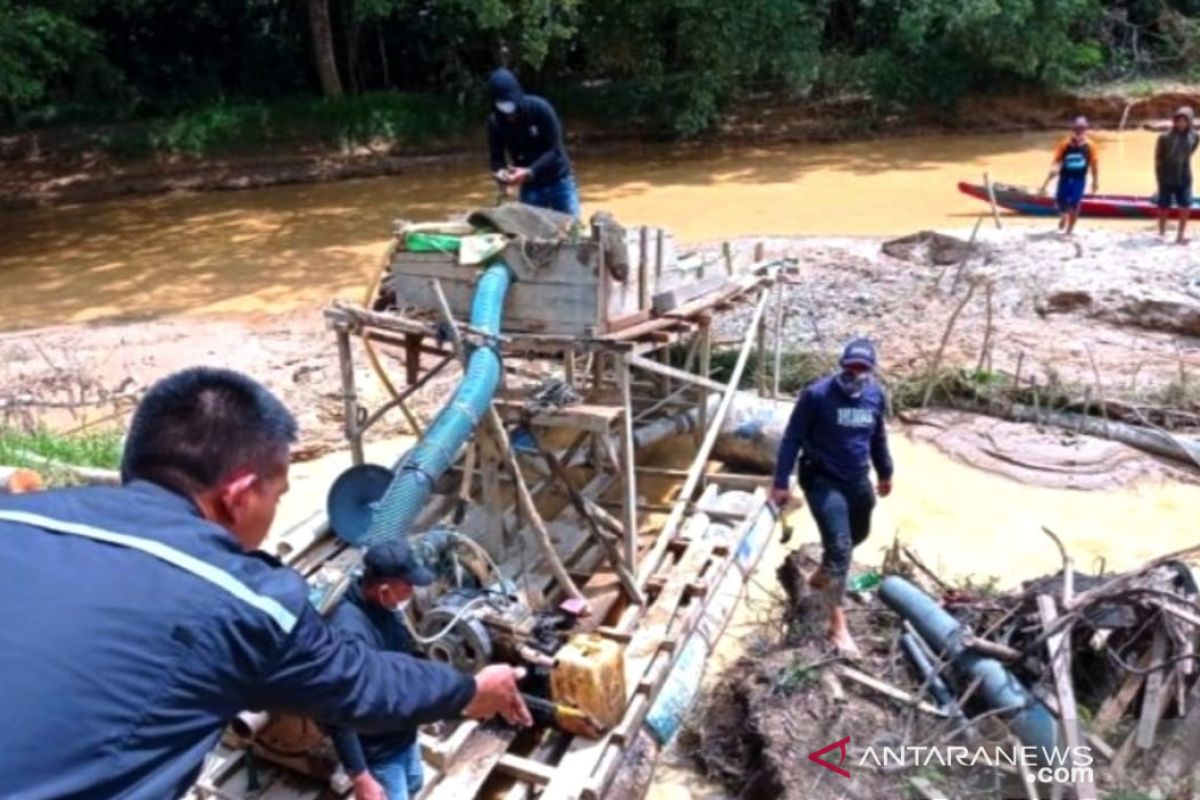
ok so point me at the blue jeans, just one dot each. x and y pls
(843, 515)
(402, 775)
(562, 196)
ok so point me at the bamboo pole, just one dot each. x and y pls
(991, 191)
(628, 474)
(696, 470)
(349, 396)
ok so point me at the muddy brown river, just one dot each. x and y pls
(281, 248)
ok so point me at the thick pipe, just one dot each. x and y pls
(1028, 718)
(454, 424)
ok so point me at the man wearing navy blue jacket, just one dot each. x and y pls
(525, 143)
(386, 765)
(835, 434)
(135, 622)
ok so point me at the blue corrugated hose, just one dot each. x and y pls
(454, 424)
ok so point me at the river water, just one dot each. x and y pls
(288, 247)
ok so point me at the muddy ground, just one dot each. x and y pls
(1110, 314)
(69, 377)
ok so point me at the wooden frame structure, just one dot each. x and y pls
(649, 582)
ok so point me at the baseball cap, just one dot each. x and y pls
(859, 351)
(396, 560)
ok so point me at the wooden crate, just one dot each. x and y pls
(570, 296)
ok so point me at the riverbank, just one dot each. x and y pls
(234, 148)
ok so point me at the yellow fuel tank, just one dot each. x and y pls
(590, 675)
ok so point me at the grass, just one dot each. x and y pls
(99, 449)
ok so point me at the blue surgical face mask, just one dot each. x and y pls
(854, 383)
(506, 107)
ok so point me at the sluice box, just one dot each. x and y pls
(599, 283)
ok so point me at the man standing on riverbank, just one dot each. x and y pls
(1074, 157)
(525, 143)
(838, 431)
(1173, 169)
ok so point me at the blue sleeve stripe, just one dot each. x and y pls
(201, 569)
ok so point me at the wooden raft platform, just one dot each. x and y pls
(671, 584)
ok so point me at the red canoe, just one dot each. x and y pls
(1031, 204)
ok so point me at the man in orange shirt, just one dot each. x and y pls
(1074, 157)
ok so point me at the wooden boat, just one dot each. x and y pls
(1029, 203)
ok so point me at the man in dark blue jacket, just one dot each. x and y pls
(525, 142)
(135, 622)
(386, 765)
(837, 429)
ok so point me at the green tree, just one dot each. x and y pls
(37, 46)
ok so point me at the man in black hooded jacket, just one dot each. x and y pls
(525, 140)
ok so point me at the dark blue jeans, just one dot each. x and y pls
(843, 515)
(562, 196)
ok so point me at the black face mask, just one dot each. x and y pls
(854, 383)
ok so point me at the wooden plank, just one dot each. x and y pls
(1060, 663)
(592, 417)
(887, 689)
(629, 516)
(677, 374)
(473, 764)
(525, 769)
(1113, 708)
(1152, 703)
(652, 629)
(670, 300)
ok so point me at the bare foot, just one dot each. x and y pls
(839, 636)
(843, 643)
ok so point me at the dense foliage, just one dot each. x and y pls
(670, 63)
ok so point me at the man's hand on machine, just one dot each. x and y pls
(496, 693)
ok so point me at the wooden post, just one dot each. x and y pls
(696, 470)
(705, 372)
(628, 473)
(493, 499)
(658, 258)
(1059, 648)
(412, 357)
(643, 266)
(759, 252)
(991, 192)
(761, 357)
(569, 366)
(349, 395)
(779, 320)
(727, 254)
(603, 282)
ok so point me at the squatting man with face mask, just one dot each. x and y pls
(834, 436)
(140, 619)
(384, 766)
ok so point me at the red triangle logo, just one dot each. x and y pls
(840, 746)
